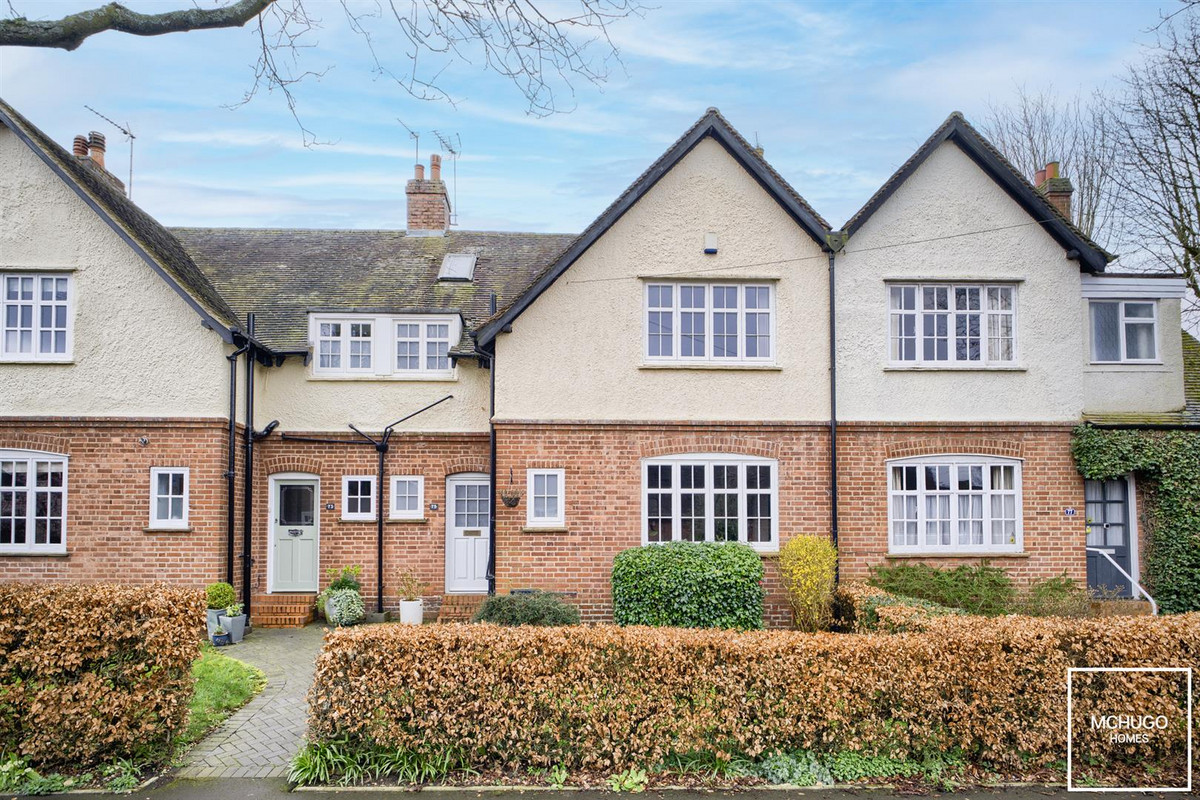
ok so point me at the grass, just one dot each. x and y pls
(223, 685)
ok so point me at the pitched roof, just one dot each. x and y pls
(282, 275)
(956, 129)
(713, 125)
(150, 240)
(1190, 415)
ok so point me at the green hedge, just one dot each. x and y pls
(690, 585)
(532, 608)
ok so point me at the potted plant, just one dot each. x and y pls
(220, 638)
(409, 589)
(234, 621)
(339, 578)
(220, 597)
(344, 607)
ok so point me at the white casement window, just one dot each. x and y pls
(33, 502)
(711, 498)
(545, 508)
(951, 324)
(1124, 331)
(358, 497)
(169, 497)
(954, 504)
(408, 497)
(710, 323)
(36, 313)
(416, 346)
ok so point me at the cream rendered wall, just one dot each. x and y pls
(948, 196)
(301, 403)
(576, 352)
(1137, 388)
(139, 350)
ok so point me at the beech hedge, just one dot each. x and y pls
(92, 673)
(611, 698)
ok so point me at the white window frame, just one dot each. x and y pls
(919, 313)
(419, 511)
(168, 524)
(708, 358)
(1122, 322)
(358, 516)
(953, 461)
(708, 461)
(37, 355)
(532, 520)
(31, 459)
(384, 348)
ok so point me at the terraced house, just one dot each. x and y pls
(708, 361)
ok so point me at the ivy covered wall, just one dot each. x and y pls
(1167, 467)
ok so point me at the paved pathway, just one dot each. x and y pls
(263, 735)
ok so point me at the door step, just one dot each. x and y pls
(460, 607)
(282, 610)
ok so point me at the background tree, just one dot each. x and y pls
(542, 46)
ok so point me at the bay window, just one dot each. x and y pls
(710, 323)
(957, 504)
(710, 498)
(33, 502)
(952, 324)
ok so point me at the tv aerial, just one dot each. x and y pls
(129, 137)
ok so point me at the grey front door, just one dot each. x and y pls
(1108, 530)
(294, 536)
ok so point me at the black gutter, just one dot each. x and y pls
(231, 467)
(248, 475)
(491, 567)
(836, 241)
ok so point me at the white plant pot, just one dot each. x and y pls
(412, 612)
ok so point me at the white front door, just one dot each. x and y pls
(468, 533)
(294, 535)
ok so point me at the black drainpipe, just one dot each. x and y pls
(491, 570)
(231, 471)
(836, 241)
(381, 447)
(248, 487)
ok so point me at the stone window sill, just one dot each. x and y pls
(406, 521)
(26, 554)
(1021, 554)
(957, 368)
(163, 529)
(541, 529)
(711, 367)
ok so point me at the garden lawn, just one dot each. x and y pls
(223, 685)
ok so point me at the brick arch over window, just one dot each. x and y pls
(455, 467)
(15, 440)
(717, 443)
(937, 447)
(292, 463)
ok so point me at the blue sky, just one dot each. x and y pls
(838, 94)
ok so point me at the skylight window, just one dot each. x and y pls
(457, 267)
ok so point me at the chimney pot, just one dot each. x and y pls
(435, 167)
(1051, 170)
(96, 147)
(420, 172)
(1039, 178)
(80, 148)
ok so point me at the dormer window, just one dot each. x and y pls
(415, 346)
(457, 267)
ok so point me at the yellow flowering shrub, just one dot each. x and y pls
(808, 565)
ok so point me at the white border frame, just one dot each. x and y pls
(170, 524)
(451, 481)
(31, 549)
(36, 357)
(273, 484)
(419, 513)
(1070, 746)
(708, 360)
(984, 363)
(383, 346)
(956, 550)
(1122, 321)
(359, 516)
(558, 521)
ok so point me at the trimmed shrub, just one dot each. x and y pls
(981, 589)
(1056, 597)
(689, 585)
(94, 673)
(220, 595)
(808, 565)
(859, 608)
(610, 699)
(534, 608)
(344, 607)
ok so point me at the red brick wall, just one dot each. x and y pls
(108, 499)
(419, 546)
(603, 494)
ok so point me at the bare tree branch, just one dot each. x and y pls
(71, 31)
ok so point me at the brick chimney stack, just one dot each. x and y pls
(1056, 189)
(90, 151)
(428, 203)
(96, 147)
